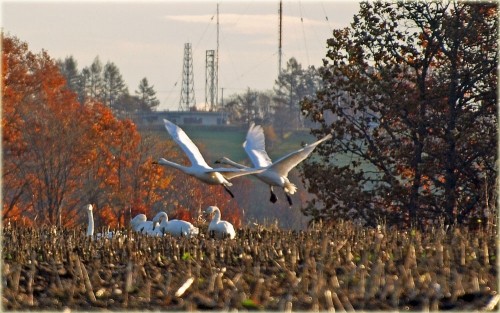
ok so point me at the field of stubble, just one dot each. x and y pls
(341, 267)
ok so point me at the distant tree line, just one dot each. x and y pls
(279, 107)
(105, 84)
(272, 107)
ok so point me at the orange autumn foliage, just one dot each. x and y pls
(60, 155)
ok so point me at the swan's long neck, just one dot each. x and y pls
(162, 161)
(216, 218)
(161, 216)
(160, 219)
(232, 163)
(90, 227)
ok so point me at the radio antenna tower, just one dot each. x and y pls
(210, 88)
(187, 91)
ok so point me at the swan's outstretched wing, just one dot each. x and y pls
(186, 144)
(283, 165)
(255, 146)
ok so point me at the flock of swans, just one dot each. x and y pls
(160, 226)
(274, 174)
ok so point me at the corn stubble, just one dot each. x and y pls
(341, 267)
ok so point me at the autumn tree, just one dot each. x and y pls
(40, 157)
(410, 97)
(59, 154)
(15, 57)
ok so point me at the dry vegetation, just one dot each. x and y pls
(340, 267)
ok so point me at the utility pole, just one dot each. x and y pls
(280, 38)
(187, 91)
(217, 63)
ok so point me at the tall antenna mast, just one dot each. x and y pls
(187, 91)
(209, 81)
(280, 38)
(217, 63)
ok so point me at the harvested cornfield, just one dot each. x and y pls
(341, 267)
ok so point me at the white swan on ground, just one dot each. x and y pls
(199, 168)
(90, 226)
(274, 174)
(176, 228)
(140, 224)
(217, 228)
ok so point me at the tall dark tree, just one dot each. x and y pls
(248, 105)
(410, 96)
(147, 96)
(69, 69)
(113, 85)
(92, 77)
(292, 86)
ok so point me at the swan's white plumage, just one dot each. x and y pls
(275, 173)
(90, 215)
(90, 226)
(140, 224)
(176, 228)
(219, 229)
(255, 146)
(199, 167)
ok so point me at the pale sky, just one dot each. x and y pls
(146, 39)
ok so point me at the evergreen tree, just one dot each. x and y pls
(147, 96)
(292, 86)
(113, 86)
(69, 69)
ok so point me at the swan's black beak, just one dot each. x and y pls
(154, 162)
(217, 162)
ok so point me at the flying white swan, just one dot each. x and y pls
(90, 226)
(177, 228)
(199, 168)
(274, 174)
(217, 228)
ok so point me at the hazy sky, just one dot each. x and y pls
(146, 39)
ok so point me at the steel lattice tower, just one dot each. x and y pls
(187, 91)
(210, 88)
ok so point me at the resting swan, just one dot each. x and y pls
(176, 228)
(140, 224)
(217, 228)
(199, 168)
(274, 174)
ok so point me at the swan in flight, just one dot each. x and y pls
(274, 174)
(176, 228)
(90, 226)
(217, 228)
(199, 167)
